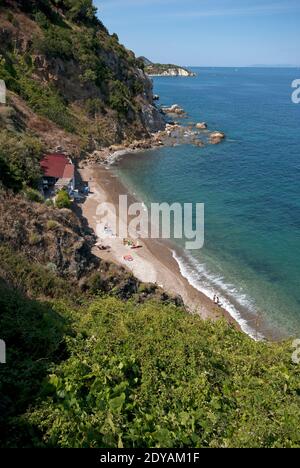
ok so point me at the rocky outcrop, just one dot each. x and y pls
(158, 69)
(173, 71)
(175, 109)
(52, 237)
(201, 126)
(152, 118)
(216, 137)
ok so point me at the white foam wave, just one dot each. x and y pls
(210, 285)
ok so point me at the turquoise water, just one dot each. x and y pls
(249, 184)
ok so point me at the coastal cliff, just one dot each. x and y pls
(158, 69)
(63, 68)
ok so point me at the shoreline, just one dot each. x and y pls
(154, 262)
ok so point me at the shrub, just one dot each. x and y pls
(19, 160)
(81, 11)
(63, 200)
(88, 76)
(34, 195)
(42, 20)
(52, 225)
(57, 42)
(94, 107)
(119, 97)
(49, 203)
(34, 239)
(9, 16)
(8, 74)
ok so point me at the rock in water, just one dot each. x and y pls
(201, 126)
(174, 109)
(216, 137)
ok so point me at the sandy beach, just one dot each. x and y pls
(153, 262)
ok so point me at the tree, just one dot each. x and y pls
(82, 10)
(19, 160)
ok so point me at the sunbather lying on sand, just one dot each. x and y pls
(128, 258)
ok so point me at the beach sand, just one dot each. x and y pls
(153, 262)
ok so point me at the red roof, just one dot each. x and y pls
(57, 166)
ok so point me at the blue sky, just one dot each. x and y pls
(207, 32)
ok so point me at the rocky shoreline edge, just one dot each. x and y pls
(174, 134)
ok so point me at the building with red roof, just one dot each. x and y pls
(59, 171)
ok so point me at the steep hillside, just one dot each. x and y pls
(60, 63)
(52, 237)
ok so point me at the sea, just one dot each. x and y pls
(249, 184)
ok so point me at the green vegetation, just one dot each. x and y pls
(100, 372)
(119, 97)
(74, 10)
(55, 43)
(34, 195)
(19, 160)
(52, 225)
(62, 200)
(81, 11)
(44, 99)
(91, 63)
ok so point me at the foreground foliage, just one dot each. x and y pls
(88, 371)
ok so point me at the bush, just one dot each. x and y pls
(52, 225)
(82, 11)
(34, 239)
(57, 42)
(119, 97)
(88, 76)
(8, 74)
(63, 200)
(42, 20)
(20, 155)
(49, 203)
(34, 195)
(94, 107)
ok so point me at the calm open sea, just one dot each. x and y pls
(250, 185)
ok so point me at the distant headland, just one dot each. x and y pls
(158, 69)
